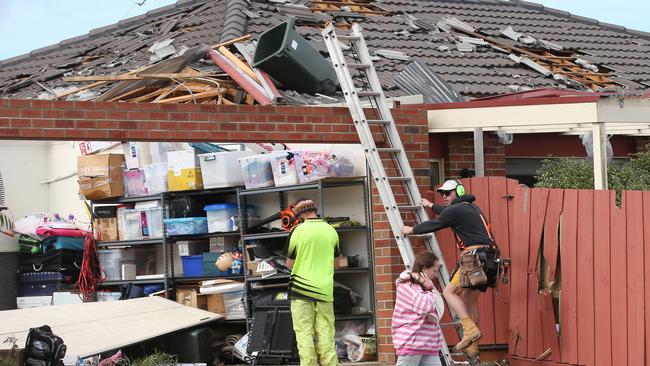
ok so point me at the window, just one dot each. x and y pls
(436, 172)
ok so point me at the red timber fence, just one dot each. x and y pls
(580, 276)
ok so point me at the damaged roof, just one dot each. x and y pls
(470, 44)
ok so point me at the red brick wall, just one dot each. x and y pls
(461, 155)
(60, 120)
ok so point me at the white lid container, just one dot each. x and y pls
(222, 169)
(257, 171)
(283, 165)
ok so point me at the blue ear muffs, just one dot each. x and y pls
(460, 189)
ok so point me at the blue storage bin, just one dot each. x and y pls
(41, 283)
(186, 226)
(63, 242)
(192, 265)
(208, 265)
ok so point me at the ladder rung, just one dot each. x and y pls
(348, 38)
(359, 66)
(378, 122)
(390, 150)
(452, 324)
(399, 179)
(408, 207)
(368, 94)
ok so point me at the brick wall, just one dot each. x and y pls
(461, 154)
(61, 120)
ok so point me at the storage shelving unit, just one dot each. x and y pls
(335, 197)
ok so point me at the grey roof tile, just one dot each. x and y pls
(192, 22)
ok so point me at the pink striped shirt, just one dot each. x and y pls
(415, 326)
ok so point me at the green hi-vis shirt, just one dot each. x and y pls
(313, 245)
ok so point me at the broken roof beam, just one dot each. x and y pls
(137, 76)
(245, 81)
(232, 41)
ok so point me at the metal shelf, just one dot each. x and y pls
(283, 234)
(175, 238)
(121, 282)
(325, 183)
(124, 243)
(206, 278)
(281, 276)
(203, 192)
(153, 197)
(363, 316)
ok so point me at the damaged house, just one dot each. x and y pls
(424, 51)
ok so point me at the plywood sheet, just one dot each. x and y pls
(91, 328)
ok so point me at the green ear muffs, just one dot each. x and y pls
(460, 189)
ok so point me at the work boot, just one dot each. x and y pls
(471, 333)
(472, 350)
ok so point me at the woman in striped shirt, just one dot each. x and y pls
(417, 337)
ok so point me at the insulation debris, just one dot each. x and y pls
(393, 55)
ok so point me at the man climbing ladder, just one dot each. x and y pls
(478, 267)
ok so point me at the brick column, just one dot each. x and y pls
(461, 154)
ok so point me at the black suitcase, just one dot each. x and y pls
(68, 262)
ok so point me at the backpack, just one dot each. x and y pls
(43, 348)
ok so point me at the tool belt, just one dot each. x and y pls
(474, 260)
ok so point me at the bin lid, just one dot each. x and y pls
(220, 206)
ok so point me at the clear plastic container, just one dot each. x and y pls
(312, 166)
(234, 305)
(257, 171)
(129, 224)
(213, 166)
(154, 222)
(186, 226)
(283, 165)
(134, 180)
(156, 177)
(219, 216)
(147, 260)
(111, 261)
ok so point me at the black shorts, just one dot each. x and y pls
(488, 257)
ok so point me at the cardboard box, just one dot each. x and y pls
(101, 176)
(189, 296)
(341, 262)
(106, 229)
(183, 171)
(131, 155)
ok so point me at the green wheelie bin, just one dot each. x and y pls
(289, 58)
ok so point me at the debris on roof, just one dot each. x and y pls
(530, 63)
(393, 55)
(162, 49)
(550, 45)
(465, 47)
(419, 78)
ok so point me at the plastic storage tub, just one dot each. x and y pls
(312, 166)
(289, 58)
(221, 169)
(209, 266)
(111, 261)
(134, 180)
(154, 222)
(186, 226)
(283, 165)
(257, 171)
(219, 216)
(192, 265)
(234, 305)
(129, 224)
(156, 177)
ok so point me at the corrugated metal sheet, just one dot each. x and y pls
(419, 78)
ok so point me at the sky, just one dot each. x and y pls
(26, 25)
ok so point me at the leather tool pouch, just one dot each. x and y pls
(472, 273)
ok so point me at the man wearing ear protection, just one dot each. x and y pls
(313, 246)
(473, 236)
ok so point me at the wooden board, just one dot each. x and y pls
(519, 283)
(602, 284)
(479, 187)
(618, 240)
(633, 205)
(551, 232)
(500, 229)
(548, 330)
(585, 276)
(646, 250)
(539, 198)
(568, 297)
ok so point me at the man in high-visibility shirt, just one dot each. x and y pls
(313, 246)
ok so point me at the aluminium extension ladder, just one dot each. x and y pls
(404, 181)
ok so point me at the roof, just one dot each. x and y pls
(411, 27)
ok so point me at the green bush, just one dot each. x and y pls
(575, 173)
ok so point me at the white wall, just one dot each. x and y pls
(63, 194)
(23, 165)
